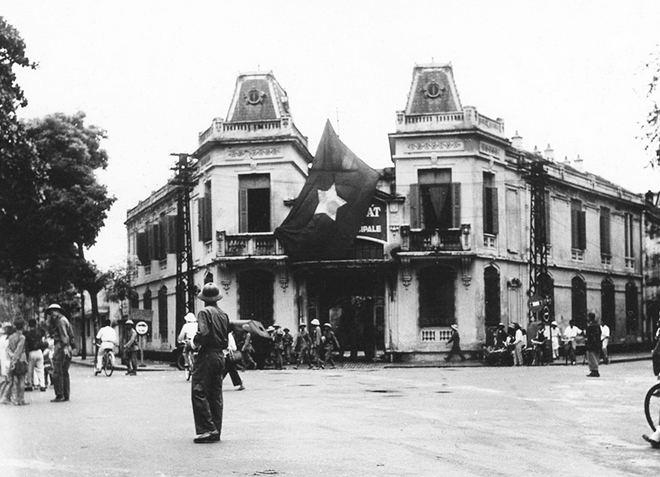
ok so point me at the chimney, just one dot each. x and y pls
(578, 163)
(516, 141)
(549, 153)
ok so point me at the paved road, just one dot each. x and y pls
(371, 421)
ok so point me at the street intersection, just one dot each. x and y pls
(373, 420)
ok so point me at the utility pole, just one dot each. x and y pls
(185, 279)
(538, 244)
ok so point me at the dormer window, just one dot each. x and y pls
(433, 90)
(255, 96)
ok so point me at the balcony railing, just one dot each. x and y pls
(220, 129)
(244, 245)
(435, 240)
(467, 119)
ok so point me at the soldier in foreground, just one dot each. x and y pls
(212, 340)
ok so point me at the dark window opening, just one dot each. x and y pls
(437, 289)
(608, 304)
(162, 313)
(255, 290)
(579, 302)
(258, 210)
(492, 296)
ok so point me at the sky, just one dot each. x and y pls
(153, 74)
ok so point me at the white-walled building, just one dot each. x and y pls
(445, 241)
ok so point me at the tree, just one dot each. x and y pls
(18, 171)
(652, 126)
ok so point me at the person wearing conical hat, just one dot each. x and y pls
(330, 344)
(211, 339)
(60, 330)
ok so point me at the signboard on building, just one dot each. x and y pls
(138, 314)
(375, 223)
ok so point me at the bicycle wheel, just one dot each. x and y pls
(108, 364)
(188, 370)
(652, 406)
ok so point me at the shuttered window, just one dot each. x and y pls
(578, 226)
(605, 236)
(435, 203)
(143, 249)
(205, 215)
(254, 203)
(437, 291)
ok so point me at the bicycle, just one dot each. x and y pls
(108, 362)
(188, 358)
(652, 406)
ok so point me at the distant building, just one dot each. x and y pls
(446, 239)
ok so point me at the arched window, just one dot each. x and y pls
(546, 286)
(437, 290)
(255, 296)
(146, 300)
(632, 308)
(162, 313)
(579, 302)
(608, 304)
(492, 296)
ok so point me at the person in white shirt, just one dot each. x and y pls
(570, 333)
(106, 338)
(518, 345)
(186, 336)
(605, 340)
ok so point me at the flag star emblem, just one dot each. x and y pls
(329, 202)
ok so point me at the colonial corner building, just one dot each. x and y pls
(446, 237)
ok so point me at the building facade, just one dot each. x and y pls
(446, 239)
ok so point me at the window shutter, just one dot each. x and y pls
(456, 203)
(494, 210)
(170, 227)
(150, 245)
(156, 240)
(575, 241)
(208, 218)
(142, 252)
(200, 219)
(242, 210)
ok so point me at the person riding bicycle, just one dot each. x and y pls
(106, 339)
(186, 336)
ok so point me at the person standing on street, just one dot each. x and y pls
(330, 344)
(301, 344)
(206, 391)
(605, 341)
(18, 365)
(131, 349)
(247, 349)
(570, 333)
(62, 334)
(186, 335)
(316, 343)
(231, 366)
(34, 345)
(593, 345)
(106, 338)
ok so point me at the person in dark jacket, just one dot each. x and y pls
(131, 348)
(592, 344)
(455, 341)
(301, 346)
(212, 339)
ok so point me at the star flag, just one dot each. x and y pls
(332, 205)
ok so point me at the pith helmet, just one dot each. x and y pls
(210, 293)
(190, 318)
(54, 306)
(130, 322)
(315, 322)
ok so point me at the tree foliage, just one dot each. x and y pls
(652, 125)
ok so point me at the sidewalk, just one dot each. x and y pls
(147, 366)
(165, 366)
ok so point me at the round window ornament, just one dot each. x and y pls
(254, 96)
(433, 90)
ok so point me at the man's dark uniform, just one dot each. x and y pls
(211, 339)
